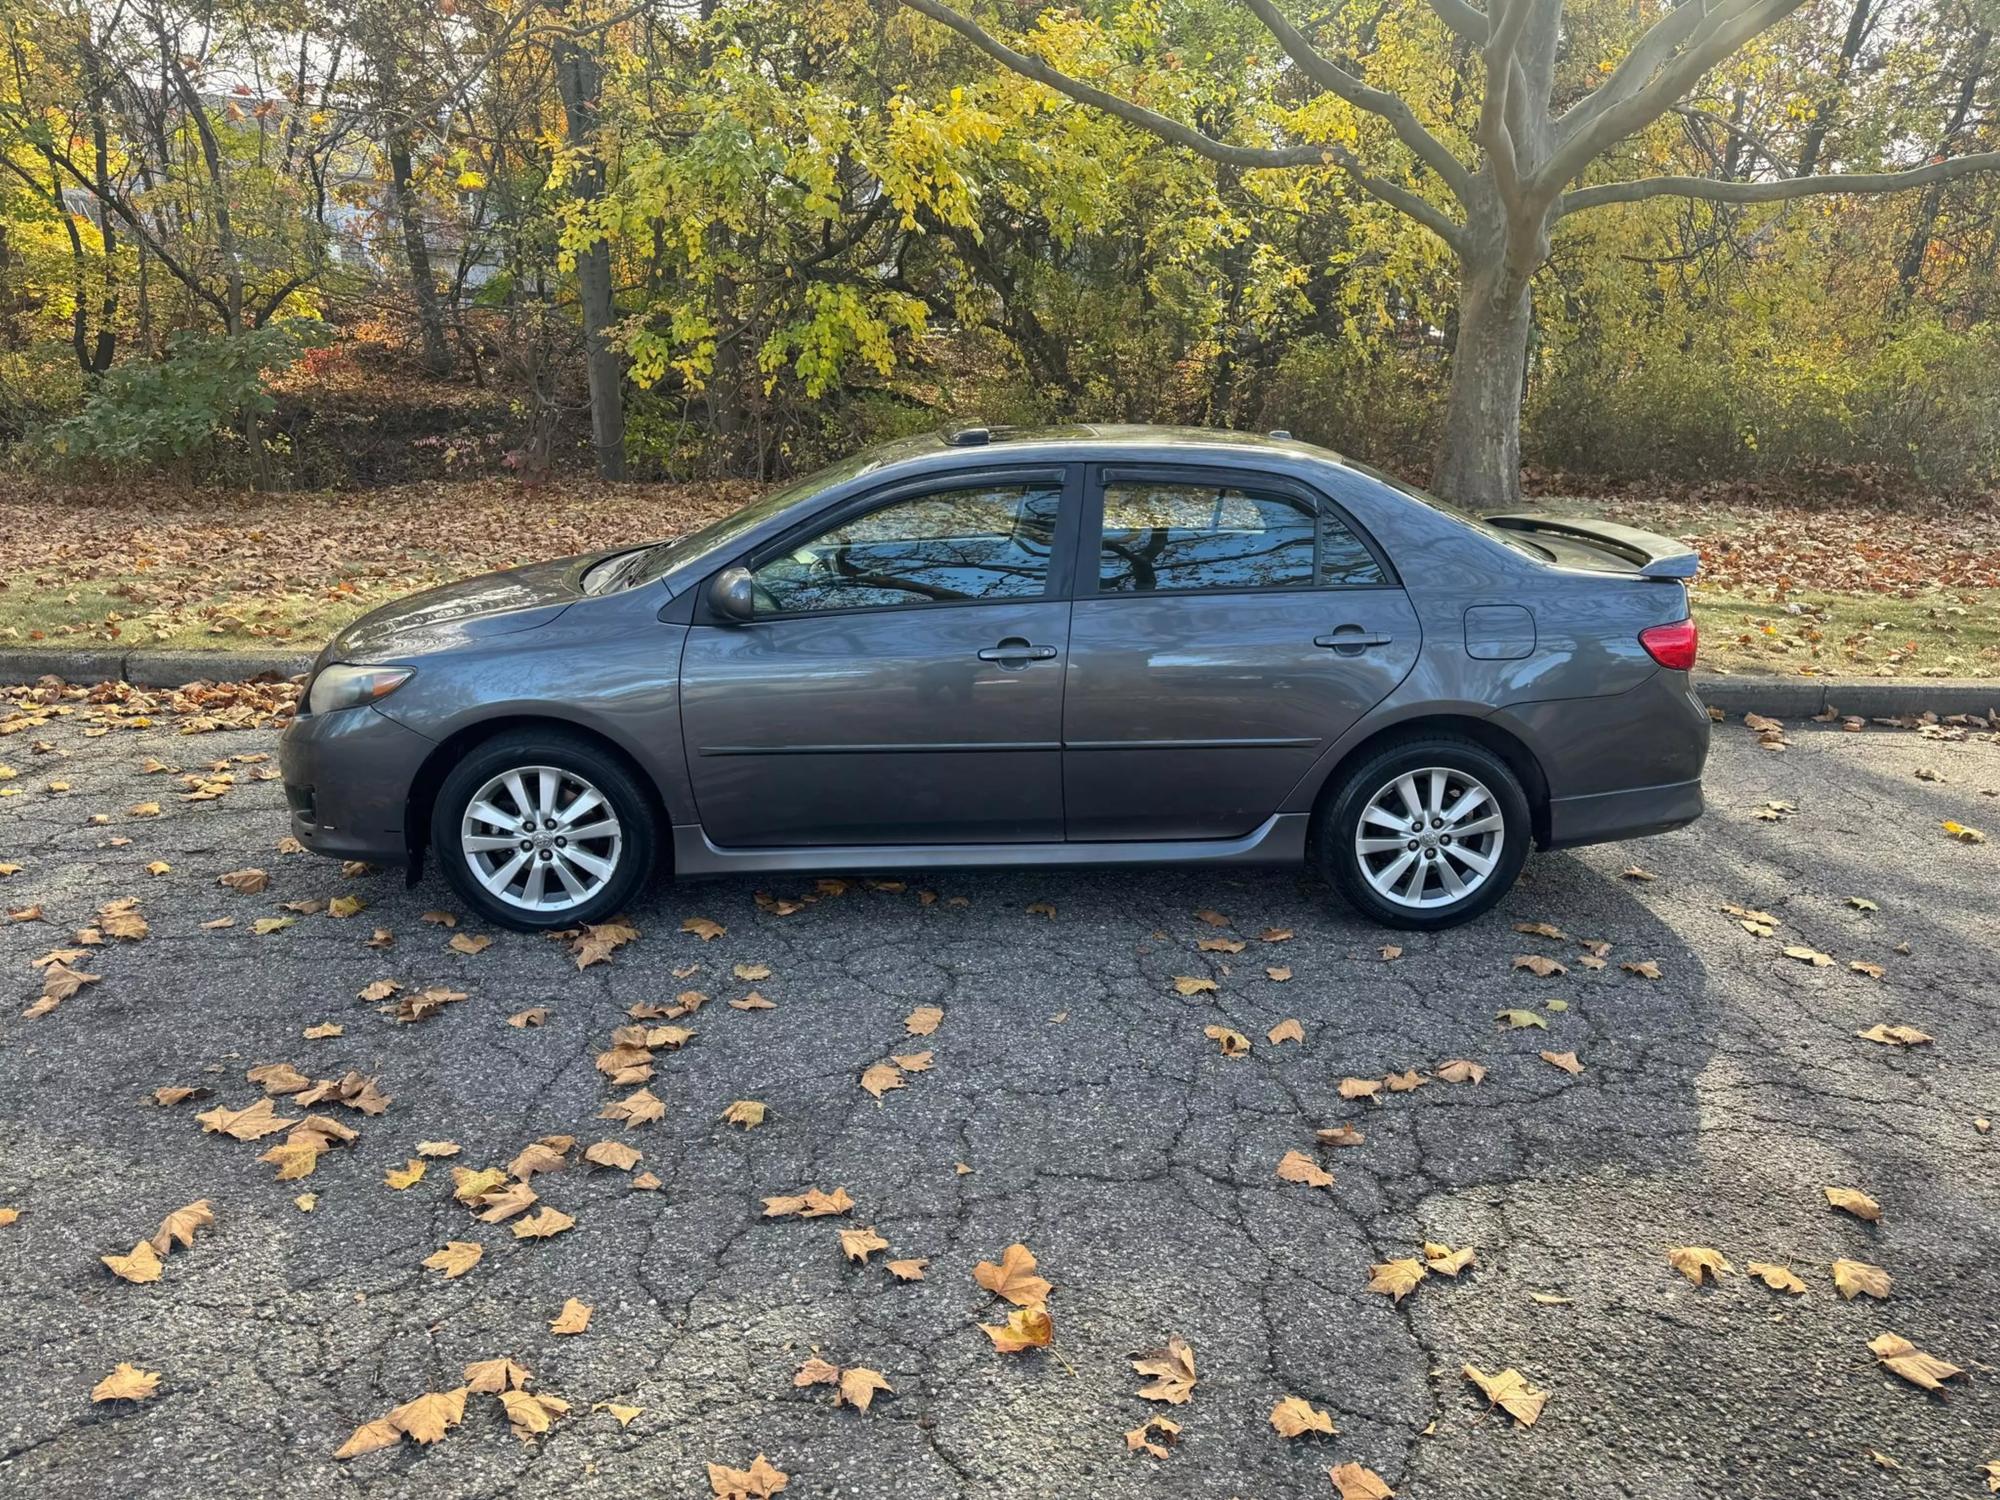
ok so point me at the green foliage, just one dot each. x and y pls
(208, 387)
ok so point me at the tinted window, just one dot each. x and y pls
(1159, 537)
(958, 545)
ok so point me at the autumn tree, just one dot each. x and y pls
(1487, 143)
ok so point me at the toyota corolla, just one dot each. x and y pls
(1085, 646)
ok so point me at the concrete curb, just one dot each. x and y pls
(1803, 697)
(1780, 697)
(156, 669)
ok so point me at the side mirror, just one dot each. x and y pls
(733, 596)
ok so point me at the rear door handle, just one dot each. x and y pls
(1351, 639)
(1015, 652)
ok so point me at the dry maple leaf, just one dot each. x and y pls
(1221, 945)
(1407, 1082)
(1342, 1134)
(408, 1176)
(923, 1020)
(529, 1415)
(1648, 969)
(1172, 1371)
(1541, 929)
(127, 1383)
(550, 1221)
(912, 1062)
(1296, 1166)
(455, 1259)
(623, 1415)
(1856, 1278)
(1811, 956)
(1904, 1358)
(1777, 1278)
(1390, 953)
(574, 1317)
(1459, 1070)
(1539, 966)
(504, 1203)
(1232, 1043)
(1354, 1482)
(1442, 1260)
(1854, 1201)
(703, 928)
(1277, 973)
(437, 1148)
(470, 1184)
(534, 1015)
(1025, 1328)
(247, 1124)
(758, 1482)
(641, 1107)
(1361, 1088)
(1187, 986)
(1042, 909)
(1895, 1036)
(178, 1227)
(1155, 1435)
(1696, 1261)
(859, 1244)
(470, 943)
(1294, 1416)
(1567, 1061)
(614, 1154)
(141, 1267)
(1287, 1030)
(879, 1078)
(752, 1001)
(1518, 1020)
(811, 1204)
(817, 1371)
(430, 1416)
(748, 1113)
(1014, 1278)
(324, 1031)
(171, 1094)
(907, 1270)
(859, 1386)
(348, 906)
(548, 1154)
(489, 1377)
(1211, 918)
(1396, 1279)
(248, 882)
(1510, 1391)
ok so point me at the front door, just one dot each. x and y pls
(1225, 631)
(902, 680)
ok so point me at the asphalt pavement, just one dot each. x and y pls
(1073, 1102)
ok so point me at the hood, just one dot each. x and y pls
(455, 613)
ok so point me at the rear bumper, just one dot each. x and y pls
(1631, 814)
(347, 782)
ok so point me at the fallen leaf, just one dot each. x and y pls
(907, 1270)
(540, 1226)
(859, 1244)
(1025, 1328)
(758, 1482)
(1360, 1088)
(127, 1383)
(1647, 969)
(923, 1020)
(1396, 1279)
(1014, 1278)
(1540, 966)
(489, 1377)
(1390, 953)
(1904, 1358)
(1541, 929)
(1520, 1019)
(1232, 1043)
(455, 1259)
(745, 1112)
(470, 943)
(859, 1386)
(1277, 973)
(1510, 1391)
(1300, 1168)
(1155, 1435)
(1188, 987)
(1962, 833)
(1343, 1134)
(178, 1227)
(1294, 1416)
(1287, 1030)
(1357, 1483)
(1697, 1261)
(1172, 1371)
(574, 1317)
(1442, 1260)
(1895, 1036)
(623, 1415)
(325, 1031)
(1777, 1278)
(245, 882)
(811, 1204)
(879, 1078)
(1407, 1082)
(1811, 956)
(1856, 1278)
(406, 1176)
(141, 1267)
(703, 928)
(1635, 872)
(247, 1124)
(1567, 1061)
(1458, 1070)
(1856, 1202)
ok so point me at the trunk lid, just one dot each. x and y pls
(1586, 542)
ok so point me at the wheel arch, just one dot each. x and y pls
(1512, 750)
(461, 742)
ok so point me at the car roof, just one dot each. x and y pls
(1094, 440)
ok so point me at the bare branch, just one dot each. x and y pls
(1495, 132)
(1169, 129)
(1715, 190)
(1463, 19)
(1748, 137)
(1393, 108)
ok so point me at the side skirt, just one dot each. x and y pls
(1278, 840)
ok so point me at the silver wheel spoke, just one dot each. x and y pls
(1436, 808)
(1465, 804)
(1386, 879)
(583, 804)
(1491, 823)
(1480, 864)
(1406, 787)
(1382, 819)
(486, 843)
(537, 882)
(1448, 877)
(519, 793)
(608, 829)
(487, 813)
(497, 879)
(545, 795)
(1366, 846)
(576, 888)
(584, 860)
(1413, 889)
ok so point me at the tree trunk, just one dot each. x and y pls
(578, 79)
(1479, 454)
(423, 286)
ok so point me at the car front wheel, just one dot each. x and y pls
(540, 829)
(1426, 833)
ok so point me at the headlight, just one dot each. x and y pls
(343, 685)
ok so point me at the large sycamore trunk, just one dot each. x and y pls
(1479, 452)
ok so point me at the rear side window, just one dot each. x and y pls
(1171, 537)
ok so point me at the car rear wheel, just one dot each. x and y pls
(1426, 833)
(537, 829)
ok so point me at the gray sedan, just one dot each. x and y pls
(1089, 646)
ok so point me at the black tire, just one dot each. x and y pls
(1342, 863)
(607, 774)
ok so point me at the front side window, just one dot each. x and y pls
(953, 546)
(1161, 537)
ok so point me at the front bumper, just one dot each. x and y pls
(348, 776)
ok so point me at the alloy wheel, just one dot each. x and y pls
(541, 838)
(1429, 838)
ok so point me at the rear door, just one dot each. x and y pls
(1226, 628)
(901, 682)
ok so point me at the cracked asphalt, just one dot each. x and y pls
(1101, 1127)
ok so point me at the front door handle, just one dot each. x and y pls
(1014, 652)
(1351, 640)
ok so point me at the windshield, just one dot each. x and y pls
(650, 563)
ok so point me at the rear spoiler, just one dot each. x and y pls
(1653, 555)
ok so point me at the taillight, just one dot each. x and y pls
(1672, 646)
